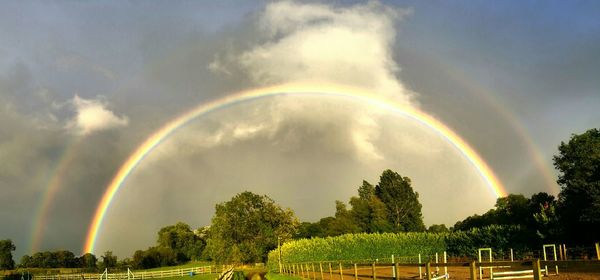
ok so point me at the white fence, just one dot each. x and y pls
(137, 275)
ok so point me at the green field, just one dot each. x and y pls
(187, 265)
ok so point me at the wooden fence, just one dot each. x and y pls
(138, 275)
(350, 271)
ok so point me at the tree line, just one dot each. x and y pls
(245, 228)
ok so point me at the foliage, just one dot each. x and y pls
(578, 163)
(363, 246)
(391, 206)
(402, 203)
(369, 212)
(88, 260)
(437, 228)
(56, 259)
(499, 238)
(534, 216)
(360, 246)
(247, 227)
(108, 260)
(154, 257)
(6, 258)
(182, 240)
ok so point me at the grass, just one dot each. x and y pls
(277, 276)
(195, 277)
(186, 265)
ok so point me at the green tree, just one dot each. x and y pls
(109, 260)
(343, 222)
(578, 163)
(181, 239)
(6, 258)
(88, 260)
(246, 228)
(368, 211)
(402, 203)
(25, 261)
(437, 228)
(512, 210)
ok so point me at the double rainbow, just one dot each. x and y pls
(329, 90)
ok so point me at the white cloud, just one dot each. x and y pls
(314, 42)
(92, 115)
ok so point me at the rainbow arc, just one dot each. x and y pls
(329, 90)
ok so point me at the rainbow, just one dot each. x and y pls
(331, 90)
(50, 192)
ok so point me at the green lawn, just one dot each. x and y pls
(277, 276)
(195, 277)
(187, 265)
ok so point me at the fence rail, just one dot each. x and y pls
(137, 275)
(340, 270)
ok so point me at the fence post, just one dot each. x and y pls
(341, 272)
(511, 255)
(330, 272)
(598, 251)
(397, 266)
(301, 270)
(445, 261)
(374, 271)
(355, 272)
(393, 267)
(537, 274)
(321, 269)
(420, 268)
(473, 271)
(314, 271)
(428, 270)
(437, 261)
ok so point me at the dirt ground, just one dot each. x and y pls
(412, 273)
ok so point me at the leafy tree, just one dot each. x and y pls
(438, 228)
(578, 163)
(6, 258)
(109, 260)
(512, 209)
(343, 222)
(182, 240)
(247, 227)
(88, 260)
(25, 261)
(65, 258)
(368, 211)
(402, 203)
(154, 257)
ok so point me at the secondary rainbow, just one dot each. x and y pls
(330, 90)
(54, 184)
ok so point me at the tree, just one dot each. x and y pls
(437, 228)
(109, 260)
(512, 210)
(343, 222)
(402, 203)
(181, 239)
(578, 163)
(6, 258)
(368, 211)
(88, 260)
(247, 227)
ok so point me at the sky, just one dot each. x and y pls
(83, 84)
